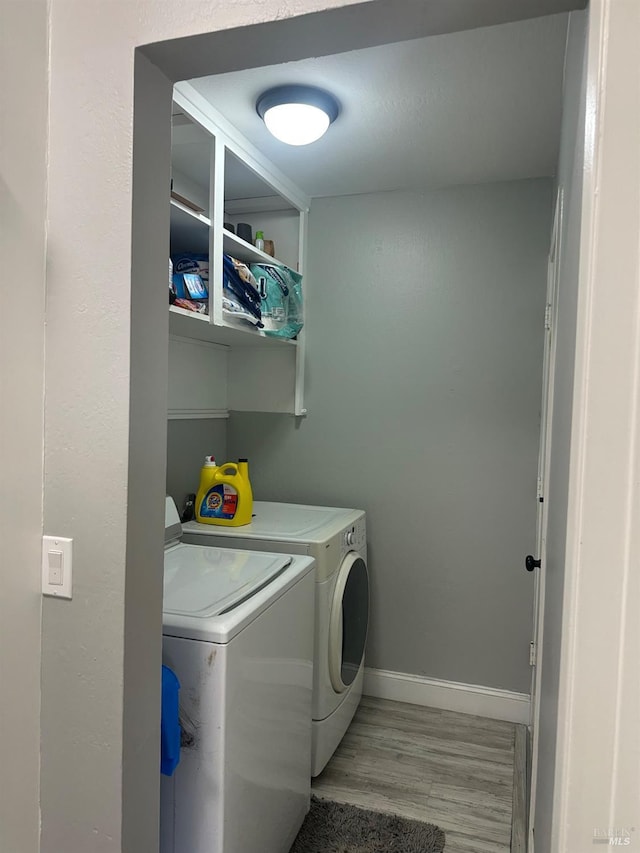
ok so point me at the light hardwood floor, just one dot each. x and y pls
(454, 770)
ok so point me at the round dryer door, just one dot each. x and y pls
(349, 621)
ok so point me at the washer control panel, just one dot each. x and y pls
(354, 538)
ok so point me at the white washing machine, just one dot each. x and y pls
(337, 540)
(237, 632)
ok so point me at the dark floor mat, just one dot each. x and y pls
(338, 828)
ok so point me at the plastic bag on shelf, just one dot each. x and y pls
(280, 290)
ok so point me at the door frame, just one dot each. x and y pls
(544, 460)
(596, 780)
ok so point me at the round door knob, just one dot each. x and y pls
(531, 563)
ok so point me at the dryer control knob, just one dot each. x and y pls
(350, 537)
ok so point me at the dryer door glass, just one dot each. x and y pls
(355, 620)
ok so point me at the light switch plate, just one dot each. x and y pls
(56, 566)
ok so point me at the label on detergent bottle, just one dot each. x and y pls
(221, 501)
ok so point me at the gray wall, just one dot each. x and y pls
(106, 403)
(570, 180)
(425, 339)
(188, 442)
(148, 403)
(105, 445)
(23, 147)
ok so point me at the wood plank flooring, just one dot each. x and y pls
(454, 770)
(519, 815)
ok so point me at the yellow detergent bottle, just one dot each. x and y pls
(224, 496)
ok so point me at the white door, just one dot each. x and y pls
(543, 478)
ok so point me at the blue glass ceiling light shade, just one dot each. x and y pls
(297, 115)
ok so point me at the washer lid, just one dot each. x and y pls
(290, 520)
(287, 522)
(204, 582)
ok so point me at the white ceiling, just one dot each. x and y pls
(461, 108)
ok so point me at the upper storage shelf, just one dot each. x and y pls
(223, 192)
(252, 204)
(243, 251)
(191, 152)
(189, 230)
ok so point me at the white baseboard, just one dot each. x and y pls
(448, 695)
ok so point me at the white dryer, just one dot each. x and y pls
(237, 633)
(337, 540)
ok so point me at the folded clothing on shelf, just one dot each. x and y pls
(190, 305)
(240, 298)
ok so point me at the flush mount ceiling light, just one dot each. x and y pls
(297, 115)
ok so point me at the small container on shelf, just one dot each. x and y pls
(244, 232)
(259, 241)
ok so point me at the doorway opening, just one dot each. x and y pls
(472, 190)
